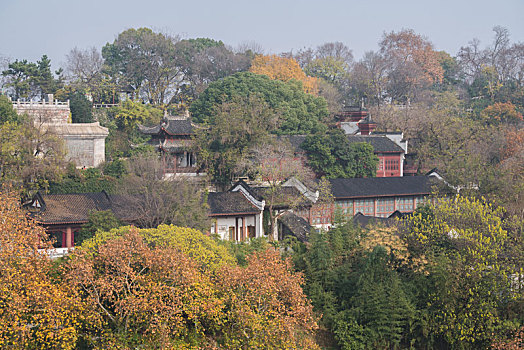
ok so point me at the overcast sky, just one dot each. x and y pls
(31, 28)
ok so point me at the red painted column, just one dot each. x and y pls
(69, 236)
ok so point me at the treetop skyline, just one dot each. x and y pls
(275, 27)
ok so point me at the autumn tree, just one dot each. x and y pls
(283, 69)
(36, 310)
(176, 287)
(265, 305)
(146, 295)
(412, 63)
(501, 113)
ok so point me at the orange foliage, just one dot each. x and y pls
(408, 47)
(514, 143)
(283, 69)
(155, 295)
(502, 112)
(515, 342)
(35, 311)
(265, 305)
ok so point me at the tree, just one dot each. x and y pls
(130, 114)
(175, 287)
(332, 156)
(29, 80)
(7, 112)
(412, 63)
(37, 311)
(369, 78)
(300, 113)
(283, 69)
(237, 126)
(501, 113)
(203, 61)
(266, 307)
(155, 200)
(102, 220)
(81, 108)
(274, 163)
(382, 312)
(30, 155)
(144, 62)
(468, 244)
(146, 295)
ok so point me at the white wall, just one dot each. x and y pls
(222, 224)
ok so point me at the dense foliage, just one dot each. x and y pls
(330, 154)
(440, 280)
(300, 113)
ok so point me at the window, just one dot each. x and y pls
(385, 207)
(345, 207)
(420, 201)
(365, 206)
(405, 204)
(380, 164)
(391, 164)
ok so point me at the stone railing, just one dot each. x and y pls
(56, 253)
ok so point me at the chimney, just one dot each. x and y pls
(367, 127)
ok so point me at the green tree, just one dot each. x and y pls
(7, 112)
(103, 220)
(300, 113)
(29, 80)
(332, 156)
(238, 125)
(81, 108)
(145, 62)
(468, 245)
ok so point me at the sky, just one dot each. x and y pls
(32, 28)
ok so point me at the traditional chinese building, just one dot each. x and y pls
(374, 197)
(63, 215)
(172, 138)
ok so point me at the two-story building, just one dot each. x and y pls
(172, 139)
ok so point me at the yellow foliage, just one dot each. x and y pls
(389, 238)
(283, 69)
(203, 249)
(35, 311)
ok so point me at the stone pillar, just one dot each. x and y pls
(69, 237)
(244, 233)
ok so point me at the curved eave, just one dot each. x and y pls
(235, 214)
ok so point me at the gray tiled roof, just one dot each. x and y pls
(381, 144)
(171, 126)
(381, 186)
(70, 208)
(298, 226)
(224, 203)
